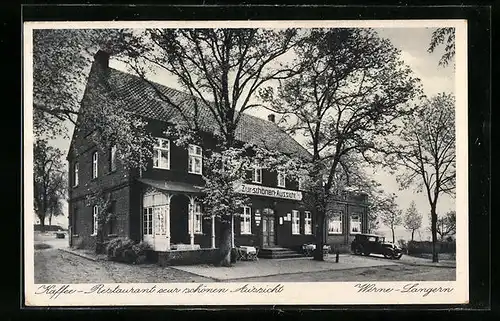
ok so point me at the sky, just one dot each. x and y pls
(413, 43)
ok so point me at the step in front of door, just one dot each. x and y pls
(278, 253)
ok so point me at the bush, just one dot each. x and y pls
(426, 247)
(126, 250)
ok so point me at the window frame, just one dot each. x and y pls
(112, 158)
(95, 220)
(158, 148)
(246, 221)
(295, 222)
(341, 224)
(192, 156)
(283, 175)
(95, 165)
(307, 222)
(254, 176)
(198, 219)
(76, 174)
(351, 225)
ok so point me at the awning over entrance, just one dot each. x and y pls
(173, 187)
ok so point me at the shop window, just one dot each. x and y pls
(355, 224)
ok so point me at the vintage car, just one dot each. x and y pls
(367, 244)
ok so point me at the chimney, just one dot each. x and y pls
(271, 118)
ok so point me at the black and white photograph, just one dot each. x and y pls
(246, 160)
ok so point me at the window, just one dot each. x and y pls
(335, 224)
(95, 162)
(161, 154)
(355, 224)
(307, 223)
(112, 158)
(76, 168)
(95, 219)
(257, 175)
(300, 183)
(197, 219)
(195, 162)
(281, 179)
(246, 221)
(155, 207)
(295, 222)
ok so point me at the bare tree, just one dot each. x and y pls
(444, 36)
(49, 183)
(61, 61)
(446, 225)
(412, 219)
(344, 102)
(391, 215)
(425, 149)
(222, 70)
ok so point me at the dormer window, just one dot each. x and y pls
(257, 175)
(161, 154)
(195, 162)
(281, 179)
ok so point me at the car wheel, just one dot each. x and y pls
(388, 255)
(357, 250)
(366, 253)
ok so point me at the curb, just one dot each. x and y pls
(85, 256)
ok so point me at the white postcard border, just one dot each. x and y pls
(314, 293)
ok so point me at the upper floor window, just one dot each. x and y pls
(76, 168)
(307, 223)
(161, 154)
(281, 179)
(95, 163)
(197, 215)
(195, 162)
(300, 183)
(355, 224)
(335, 224)
(112, 158)
(95, 221)
(246, 222)
(295, 222)
(257, 175)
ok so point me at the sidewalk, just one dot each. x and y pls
(269, 267)
(85, 254)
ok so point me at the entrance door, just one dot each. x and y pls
(155, 227)
(268, 239)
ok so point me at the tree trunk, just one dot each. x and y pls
(42, 222)
(434, 234)
(412, 233)
(225, 245)
(393, 236)
(50, 219)
(320, 238)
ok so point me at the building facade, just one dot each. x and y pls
(162, 205)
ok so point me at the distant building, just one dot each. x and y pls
(162, 205)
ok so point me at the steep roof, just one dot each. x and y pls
(142, 100)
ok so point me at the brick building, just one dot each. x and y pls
(161, 205)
